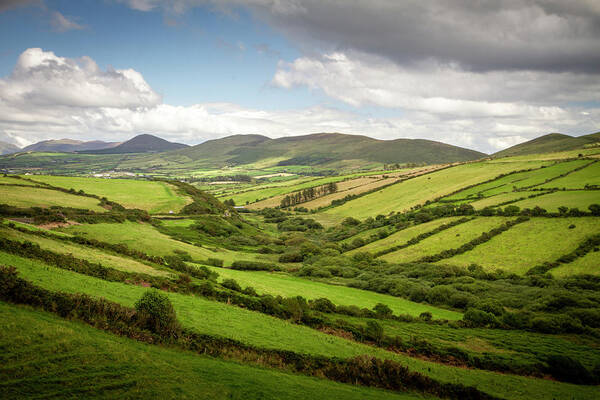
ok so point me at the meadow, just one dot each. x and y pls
(154, 197)
(41, 197)
(517, 250)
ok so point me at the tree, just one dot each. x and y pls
(594, 209)
(156, 313)
(382, 310)
(374, 331)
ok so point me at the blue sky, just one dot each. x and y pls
(192, 70)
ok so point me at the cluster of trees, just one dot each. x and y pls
(308, 194)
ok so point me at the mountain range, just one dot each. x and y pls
(552, 142)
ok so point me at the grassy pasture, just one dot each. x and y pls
(402, 196)
(499, 199)
(287, 285)
(96, 364)
(403, 236)
(578, 179)
(448, 239)
(8, 180)
(86, 253)
(559, 155)
(265, 331)
(576, 198)
(38, 197)
(588, 264)
(154, 197)
(146, 238)
(519, 249)
(519, 180)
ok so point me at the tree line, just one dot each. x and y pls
(308, 194)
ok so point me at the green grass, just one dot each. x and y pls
(286, 285)
(588, 264)
(146, 238)
(529, 244)
(576, 198)
(264, 331)
(44, 356)
(8, 180)
(86, 253)
(578, 179)
(402, 236)
(404, 195)
(499, 199)
(39, 197)
(448, 239)
(519, 180)
(154, 197)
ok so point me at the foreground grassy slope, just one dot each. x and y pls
(95, 364)
(529, 244)
(39, 197)
(581, 199)
(286, 285)
(404, 195)
(155, 197)
(264, 331)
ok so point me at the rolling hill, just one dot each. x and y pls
(7, 148)
(68, 146)
(552, 142)
(325, 148)
(141, 144)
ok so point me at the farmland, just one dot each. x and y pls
(473, 273)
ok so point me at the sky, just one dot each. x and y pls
(482, 74)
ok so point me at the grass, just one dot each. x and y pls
(578, 179)
(154, 197)
(519, 180)
(264, 331)
(86, 253)
(588, 264)
(448, 239)
(146, 238)
(79, 361)
(574, 198)
(404, 195)
(39, 197)
(286, 285)
(519, 249)
(8, 180)
(402, 236)
(499, 199)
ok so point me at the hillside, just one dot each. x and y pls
(325, 148)
(552, 142)
(7, 148)
(141, 144)
(68, 146)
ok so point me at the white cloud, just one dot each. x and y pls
(50, 97)
(60, 23)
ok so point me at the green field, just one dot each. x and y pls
(519, 249)
(286, 285)
(79, 361)
(577, 180)
(264, 331)
(87, 253)
(572, 199)
(519, 180)
(499, 199)
(39, 197)
(588, 264)
(403, 236)
(9, 180)
(415, 191)
(154, 197)
(448, 239)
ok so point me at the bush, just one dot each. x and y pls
(231, 284)
(479, 318)
(382, 310)
(426, 316)
(156, 313)
(567, 369)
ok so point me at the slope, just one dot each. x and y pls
(141, 144)
(552, 142)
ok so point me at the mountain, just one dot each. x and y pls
(68, 146)
(323, 149)
(141, 144)
(550, 143)
(7, 148)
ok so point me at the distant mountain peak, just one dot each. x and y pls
(143, 143)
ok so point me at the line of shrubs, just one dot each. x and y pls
(254, 266)
(154, 321)
(423, 236)
(590, 244)
(484, 237)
